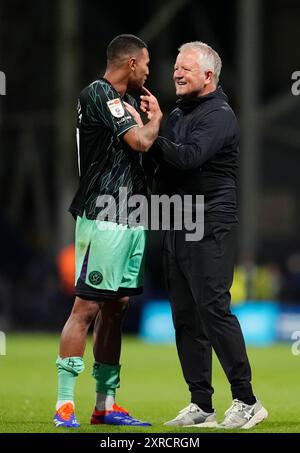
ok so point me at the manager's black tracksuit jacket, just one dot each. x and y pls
(198, 149)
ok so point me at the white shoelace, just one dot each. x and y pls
(237, 406)
(192, 407)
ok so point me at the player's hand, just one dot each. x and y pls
(149, 105)
(135, 114)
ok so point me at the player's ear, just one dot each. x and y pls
(132, 63)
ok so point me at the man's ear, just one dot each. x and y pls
(132, 63)
(209, 76)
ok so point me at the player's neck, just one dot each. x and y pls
(118, 80)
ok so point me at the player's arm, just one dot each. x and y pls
(105, 108)
(135, 114)
(141, 138)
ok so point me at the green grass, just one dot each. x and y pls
(152, 386)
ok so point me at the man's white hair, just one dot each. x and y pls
(209, 59)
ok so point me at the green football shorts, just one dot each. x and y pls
(110, 259)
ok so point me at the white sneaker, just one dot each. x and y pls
(241, 415)
(194, 416)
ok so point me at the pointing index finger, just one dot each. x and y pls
(147, 92)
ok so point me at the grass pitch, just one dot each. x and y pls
(152, 387)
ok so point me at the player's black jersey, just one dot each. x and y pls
(106, 163)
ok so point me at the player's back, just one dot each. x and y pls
(105, 161)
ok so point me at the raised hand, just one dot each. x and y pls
(149, 105)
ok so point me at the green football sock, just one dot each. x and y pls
(68, 370)
(107, 378)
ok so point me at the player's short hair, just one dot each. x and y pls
(124, 46)
(209, 59)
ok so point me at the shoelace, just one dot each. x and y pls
(65, 411)
(119, 409)
(192, 407)
(237, 406)
(131, 420)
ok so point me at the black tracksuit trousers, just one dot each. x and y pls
(199, 276)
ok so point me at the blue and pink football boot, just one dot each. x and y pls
(116, 416)
(65, 417)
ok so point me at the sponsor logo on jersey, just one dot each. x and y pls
(116, 108)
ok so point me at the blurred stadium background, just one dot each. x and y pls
(49, 50)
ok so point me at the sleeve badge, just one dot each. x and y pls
(116, 108)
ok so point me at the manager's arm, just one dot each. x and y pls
(205, 140)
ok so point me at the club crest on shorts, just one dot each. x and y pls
(95, 277)
(116, 108)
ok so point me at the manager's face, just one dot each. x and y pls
(189, 77)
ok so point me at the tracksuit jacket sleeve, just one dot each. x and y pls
(207, 136)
